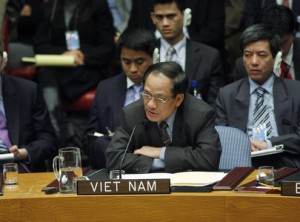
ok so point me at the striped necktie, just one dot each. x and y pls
(260, 113)
(166, 139)
(171, 51)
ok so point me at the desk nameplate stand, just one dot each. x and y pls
(124, 186)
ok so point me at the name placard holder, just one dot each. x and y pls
(112, 187)
(290, 188)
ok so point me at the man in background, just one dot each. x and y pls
(136, 48)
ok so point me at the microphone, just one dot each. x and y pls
(144, 122)
(295, 127)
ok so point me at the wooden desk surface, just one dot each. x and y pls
(26, 202)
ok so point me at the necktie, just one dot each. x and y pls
(3, 131)
(164, 133)
(260, 113)
(171, 51)
(133, 94)
(285, 3)
(285, 71)
(137, 89)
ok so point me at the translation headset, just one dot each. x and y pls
(187, 17)
(278, 60)
(4, 60)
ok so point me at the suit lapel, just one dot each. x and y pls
(178, 137)
(153, 136)
(192, 59)
(282, 105)
(296, 57)
(241, 109)
(11, 101)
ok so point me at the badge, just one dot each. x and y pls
(259, 132)
(72, 39)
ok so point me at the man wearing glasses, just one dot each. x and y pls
(171, 131)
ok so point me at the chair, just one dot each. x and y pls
(236, 148)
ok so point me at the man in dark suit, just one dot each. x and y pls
(282, 20)
(90, 22)
(207, 25)
(238, 103)
(25, 129)
(174, 131)
(136, 48)
(201, 63)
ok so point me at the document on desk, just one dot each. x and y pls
(190, 178)
(274, 150)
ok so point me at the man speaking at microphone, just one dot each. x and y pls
(167, 130)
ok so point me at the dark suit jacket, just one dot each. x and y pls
(208, 20)
(239, 70)
(195, 144)
(203, 64)
(96, 34)
(105, 112)
(28, 121)
(233, 107)
(253, 9)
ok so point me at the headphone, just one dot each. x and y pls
(278, 60)
(187, 17)
(4, 60)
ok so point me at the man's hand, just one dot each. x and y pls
(78, 56)
(148, 151)
(19, 154)
(257, 145)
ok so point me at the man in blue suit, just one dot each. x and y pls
(136, 47)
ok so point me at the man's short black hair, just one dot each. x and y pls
(138, 39)
(181, 4)
(259, 32)
(173, 71)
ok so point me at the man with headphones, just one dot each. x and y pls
(25, 128)
(262, 104)
(202, 64)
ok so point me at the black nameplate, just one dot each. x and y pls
(290, 188)
(106, 187)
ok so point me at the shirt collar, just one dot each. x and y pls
(178, 47)
(170, 120)
(268, 85)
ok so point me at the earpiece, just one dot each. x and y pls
(278, 60)
(155, 57)
(187, 17)
(4, 60)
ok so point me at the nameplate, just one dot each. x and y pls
(107, 187)
(290, 188)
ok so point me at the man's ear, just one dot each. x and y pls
(179, 99)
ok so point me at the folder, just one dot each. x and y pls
(50, 60)
(233, 178)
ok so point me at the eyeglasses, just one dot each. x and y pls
(147, 97)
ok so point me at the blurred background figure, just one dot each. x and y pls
(84, 30)
(24, 16)
(120, 10)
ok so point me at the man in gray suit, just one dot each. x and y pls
(200, 62)
(168, 130)
(238, 103)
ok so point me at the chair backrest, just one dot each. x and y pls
(236, 147)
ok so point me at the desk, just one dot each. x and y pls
(26, 202)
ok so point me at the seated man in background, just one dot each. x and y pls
(263, 105)
(81, 29)
(136, 48)
(171, 130)
(25, 128)
(280, 18)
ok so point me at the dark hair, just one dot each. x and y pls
(260, 32)
(173, 71)
(280, 18)
(138, 39)
(181, 5)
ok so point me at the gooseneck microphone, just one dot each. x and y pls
(144, 122)
(295, 127)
